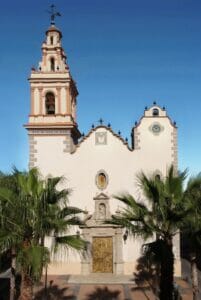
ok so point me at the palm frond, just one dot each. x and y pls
(74, 242)
(69, 210)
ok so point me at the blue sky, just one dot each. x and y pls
(123, 55)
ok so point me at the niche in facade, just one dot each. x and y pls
(101, 180)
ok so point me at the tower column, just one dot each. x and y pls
(32, 100)
(59, 99)
(40, 89)
(45, 58)
(68, 101)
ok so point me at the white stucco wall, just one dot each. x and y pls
(154, 152)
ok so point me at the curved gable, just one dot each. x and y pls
(102, 136)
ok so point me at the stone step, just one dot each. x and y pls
(101, 279)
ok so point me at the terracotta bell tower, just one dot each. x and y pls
(53, 93)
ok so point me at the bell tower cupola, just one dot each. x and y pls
(53, 90)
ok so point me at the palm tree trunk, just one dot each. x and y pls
(26, 290)
(12, 275)
(194, 277)
(167, 272)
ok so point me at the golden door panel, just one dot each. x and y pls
(102, 252)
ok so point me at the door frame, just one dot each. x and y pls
(116, 233)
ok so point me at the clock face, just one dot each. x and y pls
(156, 128)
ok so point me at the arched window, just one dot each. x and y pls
(52, 64)
(51, 40)
(50, 103)
(155, 112)
(158, 177)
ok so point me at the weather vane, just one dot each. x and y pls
(53, 14)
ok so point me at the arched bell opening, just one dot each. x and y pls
(50, 103)
(52, 64)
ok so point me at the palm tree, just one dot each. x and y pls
(192, 227)
(35, 209)
(8, 181)
(159, 216)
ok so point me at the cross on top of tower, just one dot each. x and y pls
(53, 14)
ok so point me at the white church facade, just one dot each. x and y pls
(97, 166)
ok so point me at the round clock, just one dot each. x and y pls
(156, 128)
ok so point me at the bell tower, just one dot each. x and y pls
(53, 93)
(52, 118)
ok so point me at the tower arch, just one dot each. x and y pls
(52, 64)
(50, 103)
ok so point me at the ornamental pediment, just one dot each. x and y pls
(101, 135)
(101, 196)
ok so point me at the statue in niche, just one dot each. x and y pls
(102, 211)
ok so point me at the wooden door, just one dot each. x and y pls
(102, 251)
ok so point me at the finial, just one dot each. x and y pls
(145, 108)
(119, 132)
(92, 126)
(154, 103)
(135, 123)
(163, 107)
(175, 123)
(101, 121)
(53, 14)
(109, 125)
(126, 139)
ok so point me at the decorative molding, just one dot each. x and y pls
(108, 129)
(55, 124)
(48, 131)
(174, 148)
(136, 139)
(32, 152)
(45, 115)
(101, 138)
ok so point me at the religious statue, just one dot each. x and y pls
(102, 211)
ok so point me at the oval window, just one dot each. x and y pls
(101, 180)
